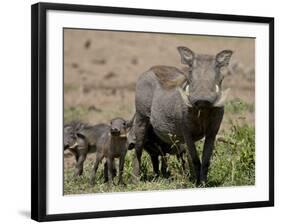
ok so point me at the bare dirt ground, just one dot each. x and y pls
(101, 69)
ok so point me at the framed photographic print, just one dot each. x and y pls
(138, 111)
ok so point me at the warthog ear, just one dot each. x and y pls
(223, 57)
(187, 55)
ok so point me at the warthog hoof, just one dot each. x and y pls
(135, 180)
(201, 184)
(111, 183)
(121, 183)
(92, 181)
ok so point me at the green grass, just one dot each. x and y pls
(236, 106)
(74, 113)
(232, 164)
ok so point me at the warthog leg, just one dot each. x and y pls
(110, 162)
(121, 167)
(155, 164)
(196, 164)
(105, 171)
(180, 158)
(164, 167)
(99, 157)
(212, 130)
(141, 126)
(207, 153)
(79, 165)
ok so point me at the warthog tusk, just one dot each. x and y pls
(184, 96)
(123, 136)
(221, 101)
(187, 90)
(217, 88)
(74, 145)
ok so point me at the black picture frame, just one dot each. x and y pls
(39, 122)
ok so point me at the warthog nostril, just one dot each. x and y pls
(115, 131)
(202, 103)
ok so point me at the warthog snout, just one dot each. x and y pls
(202, 102)
(115, 131)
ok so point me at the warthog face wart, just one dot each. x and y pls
(204, 78)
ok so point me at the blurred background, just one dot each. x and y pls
(101, 69)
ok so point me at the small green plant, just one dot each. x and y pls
(175, 142)
(238, 152)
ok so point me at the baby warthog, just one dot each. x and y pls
(112, 144)
(80, 139)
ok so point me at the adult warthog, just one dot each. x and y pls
(188, 104)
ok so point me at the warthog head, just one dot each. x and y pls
(71, 134)
(118, 127)
(69, 137)
(204, 78)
